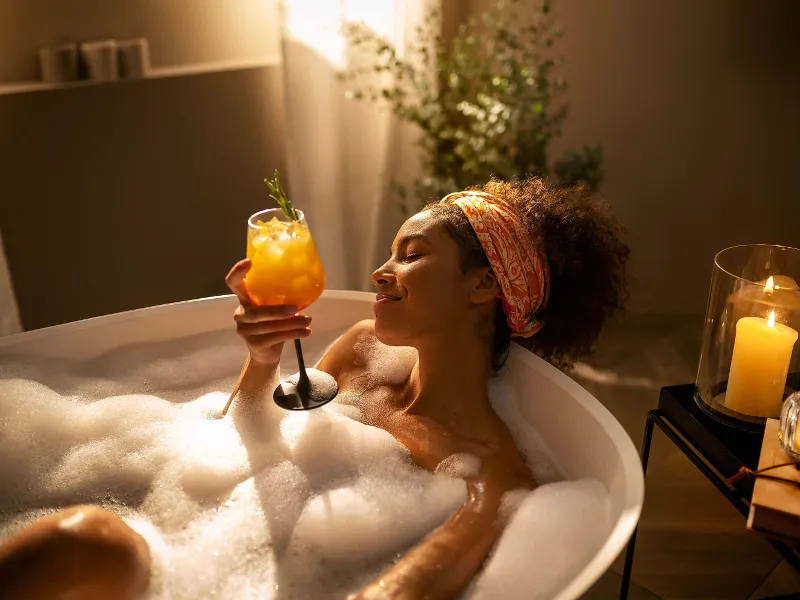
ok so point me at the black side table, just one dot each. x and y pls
(716, 449)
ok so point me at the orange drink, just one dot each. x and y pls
(285, 270)
(285, 266)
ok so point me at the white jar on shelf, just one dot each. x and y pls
(134, 58)
(59, 64)
(100, 60)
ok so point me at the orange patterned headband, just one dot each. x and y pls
(520, 267)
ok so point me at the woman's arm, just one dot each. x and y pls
(443, 564)
(264, 329)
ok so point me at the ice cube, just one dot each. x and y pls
(259, 241)
(274, 252)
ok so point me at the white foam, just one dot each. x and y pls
(461, 465)
(553, 534)
(510, 503)
(262, 504)
(529, 442)
(311, 502)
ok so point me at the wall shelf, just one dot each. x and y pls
(25, 87)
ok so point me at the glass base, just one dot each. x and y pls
(790, 413)
(789, 449)
(296, 394)
(717, 409)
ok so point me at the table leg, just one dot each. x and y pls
(628, 568)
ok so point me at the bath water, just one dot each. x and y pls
(263, 503)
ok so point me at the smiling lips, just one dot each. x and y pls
(382, 300)
(382, 296)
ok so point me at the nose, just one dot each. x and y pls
(383, 276)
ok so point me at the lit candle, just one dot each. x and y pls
(761, 354)
(779, 293)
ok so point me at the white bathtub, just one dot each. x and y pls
(585, 440)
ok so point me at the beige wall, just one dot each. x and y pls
(119, 196)
(127, 195)
(179, 31)
(696, 104)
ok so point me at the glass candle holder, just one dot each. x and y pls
(749, 354)
(788, 430)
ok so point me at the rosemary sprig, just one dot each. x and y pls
(279, 195)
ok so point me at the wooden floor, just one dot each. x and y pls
(692, 544)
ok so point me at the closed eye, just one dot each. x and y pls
(411, 257)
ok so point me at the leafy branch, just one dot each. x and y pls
(279, 195)
(484, 102)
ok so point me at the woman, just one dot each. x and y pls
(466, 275)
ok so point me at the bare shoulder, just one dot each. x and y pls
(501, 472)
(346, 353)
(359, 351)
(505, 468)
(502, 467)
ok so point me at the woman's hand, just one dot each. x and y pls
(264, 328)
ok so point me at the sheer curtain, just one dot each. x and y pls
(342, 154)
(9, 315)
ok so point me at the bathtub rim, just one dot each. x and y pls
(632, 475)
(633, 494)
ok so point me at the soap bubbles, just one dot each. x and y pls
(264, 503)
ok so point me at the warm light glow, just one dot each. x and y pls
(318, 25)
(769, 287)
(771, 321)
(292, 426)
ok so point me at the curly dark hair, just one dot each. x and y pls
(586, 256)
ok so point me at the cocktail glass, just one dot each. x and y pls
(286, 270)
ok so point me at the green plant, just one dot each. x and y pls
(279, 195)
(483, 101)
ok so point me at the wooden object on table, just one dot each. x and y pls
(775, 507)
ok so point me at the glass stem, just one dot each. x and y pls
(298, 349)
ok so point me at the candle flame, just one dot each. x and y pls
(771, 322)
(769, 287)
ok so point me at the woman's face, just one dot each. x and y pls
(422, 291)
